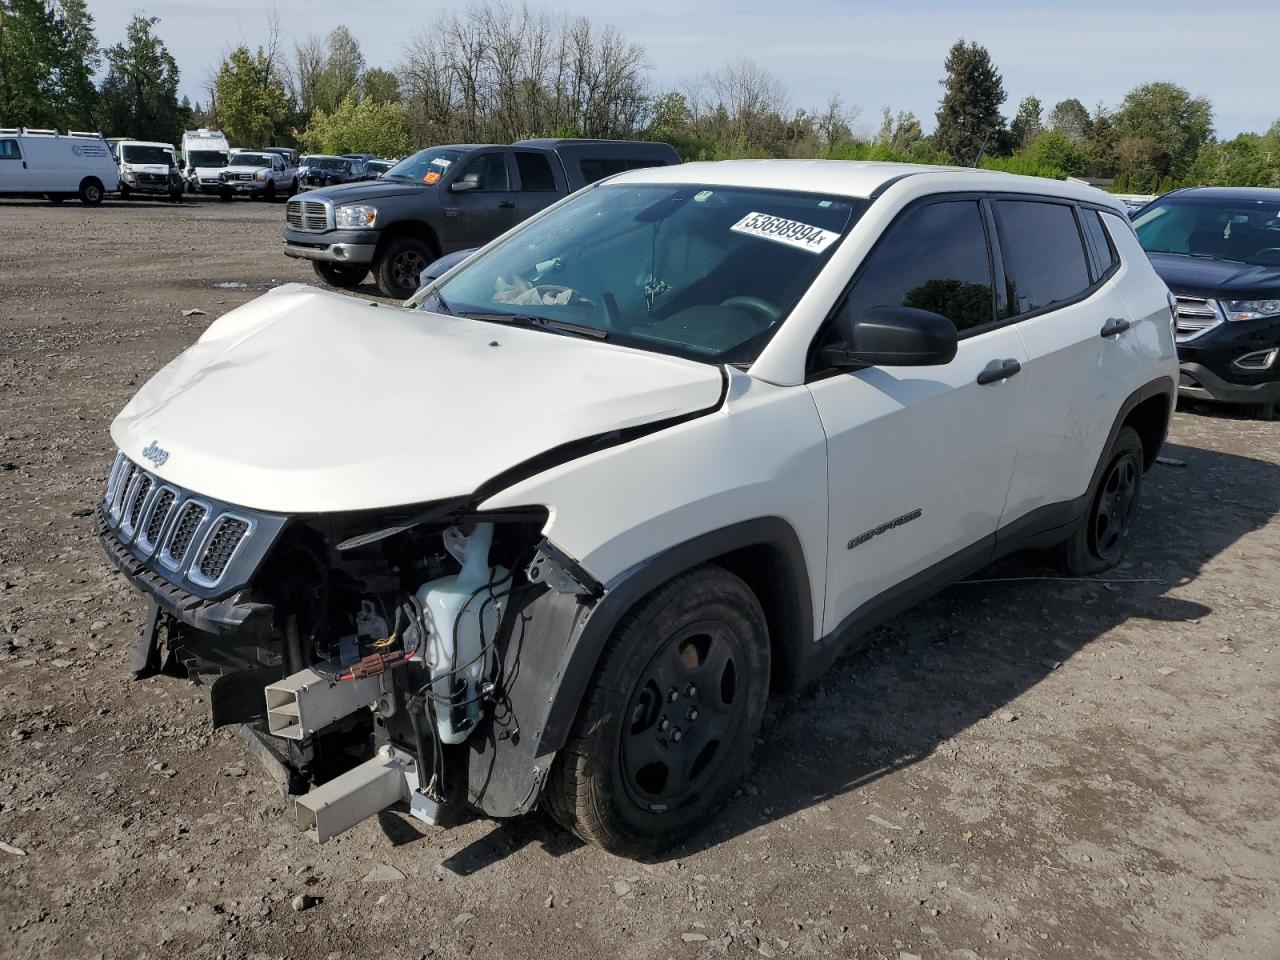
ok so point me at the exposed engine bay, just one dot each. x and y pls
(372, 657)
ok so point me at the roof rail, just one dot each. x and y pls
(10, 131)
(84, 133)
(36, 132)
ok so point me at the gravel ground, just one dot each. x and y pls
(1015, 769)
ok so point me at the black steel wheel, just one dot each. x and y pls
(666, 728)
(348, 277)
(1099, 540)
(399, 267)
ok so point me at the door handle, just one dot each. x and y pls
(1114, 327)
(506, 204)
(999, 370)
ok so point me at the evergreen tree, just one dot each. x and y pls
(1026, 124)
(139, 95)
(253, 108)
(969, 120)
(77, 60)
(28, 54)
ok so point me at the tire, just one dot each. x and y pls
(1266, 411)
(636, 775)
(1100, 539)
(269, 194)
(225, 196)
(125, 192)
(293, 187)
(338, 275)
(90, 191)
(398, 267)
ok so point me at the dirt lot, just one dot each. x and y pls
(1016, 769)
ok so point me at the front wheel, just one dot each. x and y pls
(1100, 539)
(668, 723)
(339, 275)
(400, 265)
(91, 192)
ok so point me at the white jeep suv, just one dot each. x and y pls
(555, 529)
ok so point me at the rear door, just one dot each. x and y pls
(919, 459)
(1061, 293)
(474, 217)
(541, 183)
(13, 167)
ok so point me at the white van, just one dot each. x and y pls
(56, 165)
(204, 155)
(147, 167)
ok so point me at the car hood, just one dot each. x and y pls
(1222, 279)
(369, 190)
(147, 167)
(306, 401)
(244, 167)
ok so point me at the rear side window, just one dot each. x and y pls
(1044, 258)
(535, 172)
(595, 168)
(1100, 247)
(934, 258)
(9, 150)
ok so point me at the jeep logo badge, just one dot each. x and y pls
(156, 453)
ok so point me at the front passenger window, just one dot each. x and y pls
(492, 168)
(9, 150)
(934, 258)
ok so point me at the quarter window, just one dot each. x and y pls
(492, 168)
(1104, 253)
(9, 150)
(935, 258)
(1044, 258)
(535, 172)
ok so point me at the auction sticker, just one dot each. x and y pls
(791, 232)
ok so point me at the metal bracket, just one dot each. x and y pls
(562, 573)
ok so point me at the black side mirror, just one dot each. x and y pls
(468, 181)
(892, 336)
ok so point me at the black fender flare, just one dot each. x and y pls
(554, 644)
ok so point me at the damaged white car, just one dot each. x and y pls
(555, 529)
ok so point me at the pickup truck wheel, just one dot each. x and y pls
(270, 193)
(338, 275)
(400, 265)
(90, 191)
(1099, 540)
(667, 725)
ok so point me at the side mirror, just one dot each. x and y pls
(892, 336)
(468, 181)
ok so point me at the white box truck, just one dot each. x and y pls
(204, 155)
(56, 165)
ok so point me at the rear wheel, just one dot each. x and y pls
(90, 191)
(340, 275)
(668, 723)
(399, 266)
(1101, 537)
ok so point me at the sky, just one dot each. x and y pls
(872, 55)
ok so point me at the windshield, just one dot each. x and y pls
(207, 158)
(425, 166)
(327, 163)
(1244, 230)
(132, 153)
(251, 159)
(705, 273)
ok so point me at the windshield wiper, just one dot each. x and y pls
(540, 323)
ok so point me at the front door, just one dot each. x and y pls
(13, 167)
(919, 459)
(477, 215)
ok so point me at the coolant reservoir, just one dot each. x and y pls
(459, 646)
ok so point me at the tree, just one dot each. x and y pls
(380, 86)
(969, 120)
(252, 105)
(1165, 115)
(343, 65)
(364, 126)
(139, 95)
(304, 76)
(832, 125)
(901, 135)
(1027, 123)
(1071, 119)
(28, 54)
(78, 59)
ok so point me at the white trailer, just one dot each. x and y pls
(34, 162)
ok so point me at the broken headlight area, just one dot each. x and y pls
(370, 655)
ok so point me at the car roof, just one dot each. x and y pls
(145, 143)
(1259, 194)
(858, 178)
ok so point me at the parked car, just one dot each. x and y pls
(555, 529)
(445, 199)
(290, 155)
(1218, 249)
(254, 173)
(149, 168)
(204, 156)
(376, 168)
(58, 166)
(324, 171)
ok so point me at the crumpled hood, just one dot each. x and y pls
(1225, 279)
(245, 167)
(308, 401)
(147, 167)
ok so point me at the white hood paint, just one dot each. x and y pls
(309, 401)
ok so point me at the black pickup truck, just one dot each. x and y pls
(444, 199)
